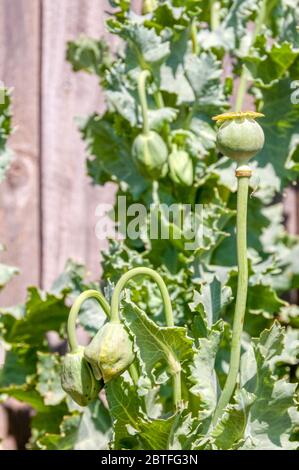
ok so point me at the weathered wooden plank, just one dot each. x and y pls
(68, 200)
(290, 203)
(19, 194)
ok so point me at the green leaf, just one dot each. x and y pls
(268, 66)
(159, 117)
(88, 55)
(144, 45)
(70, 280)
(229, 431)
(19, 366)
(202, 377)
(169, 345)
(211, 301)
(43, 312)
(156, 435)
(175, 432)
(65, 439)
(6, 274)
(5, 119)
(237, 17)
(48, 378)
(263, 299)
(264, 414)
(94, 432)
(281, 126)
(112, 154)
(47, 421)
(125, 408)
(203, 74)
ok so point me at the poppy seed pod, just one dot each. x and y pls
(239, 136)
(180, 167)
(150, 154)
(111, 351)
(77, 378)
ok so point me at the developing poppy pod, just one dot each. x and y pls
(181, 167)
(239, 136)
(111, 351)
(77, 378)
(150, 154)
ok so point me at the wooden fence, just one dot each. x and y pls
(47, 204)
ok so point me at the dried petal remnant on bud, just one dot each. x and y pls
(236, 115)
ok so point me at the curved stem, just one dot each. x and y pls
(242, 202)
(71, 323)
(143, 76)
(176, 377)
(137, 272)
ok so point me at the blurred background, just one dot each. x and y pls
(47, 204)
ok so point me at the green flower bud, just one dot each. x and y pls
(150, 154)
(111, 351)
(77, 378)
(181, 167)
(239, 136)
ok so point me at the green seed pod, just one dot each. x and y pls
(239, 136)
(111, 351)
(180, 167)
(77, 378)
(149, 6)
(150, 154)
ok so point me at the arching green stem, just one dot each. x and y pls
(143, 76)
(168, 315)
(242, 202)
(71, 323)
(137, 272)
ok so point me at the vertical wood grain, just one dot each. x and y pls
(19, 194)
(68, 199)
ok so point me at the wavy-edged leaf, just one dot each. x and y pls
(167, 345)
(48, 378)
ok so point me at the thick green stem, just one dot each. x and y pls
(194, 40)
(242, 201)
(71, 323)
(137, 272)
(168, 316)
(241, 90)
(143, 76)
(215, 8)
